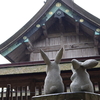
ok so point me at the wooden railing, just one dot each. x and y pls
(20, 93)
(25, 86)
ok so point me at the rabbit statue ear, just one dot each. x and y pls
(76, 64)
(45, 57)
(59, 56)
(89, 63)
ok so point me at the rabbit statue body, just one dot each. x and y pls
(53, 81)
(80, 77)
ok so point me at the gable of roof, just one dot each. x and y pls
(33, 27)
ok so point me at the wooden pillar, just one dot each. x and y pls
(8, 92)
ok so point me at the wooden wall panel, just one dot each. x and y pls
(39, 43)
(75, 45)
(54, 41)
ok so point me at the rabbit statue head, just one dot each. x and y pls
(53, 81)
(80, 77)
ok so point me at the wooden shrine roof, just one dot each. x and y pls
(33, 67)
(32, 30)
(29, 69)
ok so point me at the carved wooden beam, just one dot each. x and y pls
(47, 48)
(79, 46)
(29, 46)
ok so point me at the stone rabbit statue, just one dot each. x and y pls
(80, 77)
(53, 81)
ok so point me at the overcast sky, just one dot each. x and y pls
(15, 13)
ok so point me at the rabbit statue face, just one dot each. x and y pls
(80, 77)
(53, 81)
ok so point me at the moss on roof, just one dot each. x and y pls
(32, 69)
